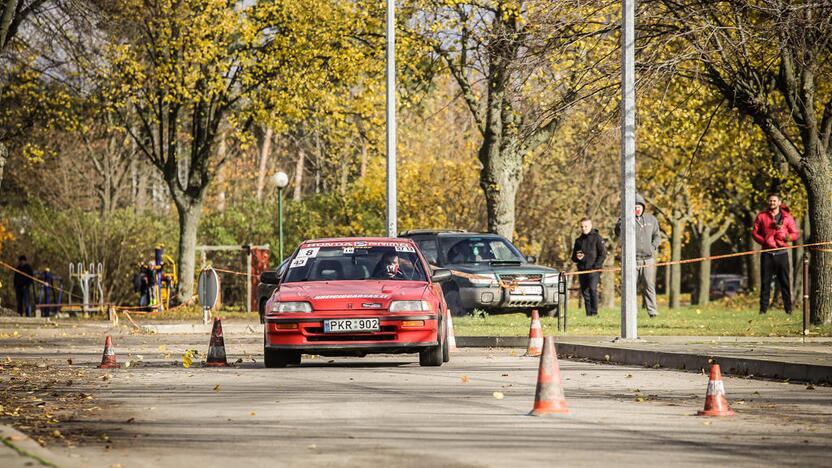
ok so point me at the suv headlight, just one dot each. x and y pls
(483, 279)
(291, 307)
(550, 279)
(409, 306)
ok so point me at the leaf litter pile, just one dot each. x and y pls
(42, 400)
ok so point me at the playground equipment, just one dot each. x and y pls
(161, 280)
(166, 278)
(90, 282)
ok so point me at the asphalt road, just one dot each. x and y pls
(388, 411)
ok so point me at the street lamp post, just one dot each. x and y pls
(629, 330)
(281, 180)
(392, 229)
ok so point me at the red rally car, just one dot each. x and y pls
(355, 296)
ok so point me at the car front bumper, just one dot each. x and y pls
(396, 334)
(502, 298)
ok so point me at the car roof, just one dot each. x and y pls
(411, 232)
(449, 233)
(402, 240)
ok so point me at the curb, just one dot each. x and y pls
(813, 373)
(18, 446)
(186, 328)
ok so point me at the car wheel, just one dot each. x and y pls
(279, 358)
(455, 304)
(446, 353)
(262, 311)
(433, 356)
(551, 311)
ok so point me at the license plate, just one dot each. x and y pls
(527, 290)
(351, 325)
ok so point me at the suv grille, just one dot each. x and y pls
(530, 278)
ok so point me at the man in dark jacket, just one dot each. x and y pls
(589, 254)
(775, 228)
(648, 238)
(23, 286)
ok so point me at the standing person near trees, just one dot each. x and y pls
(23, 286)
(648, 238)
(589, 253)
(774, 228)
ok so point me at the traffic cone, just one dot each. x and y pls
(535, 336)
(216, 349)
(549, 397)
(108, 360)
(451, 338)
(715, 402)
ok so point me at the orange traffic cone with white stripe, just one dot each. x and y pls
(535, 336)
(108, 360)
(548, 398)
(451, 338)
(216, 349)
(715, 402)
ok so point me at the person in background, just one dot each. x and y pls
(774, 228)
(648, 238)
(23, 286)
(589, 253)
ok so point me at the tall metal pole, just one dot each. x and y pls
(391, 119)
(280, 224)
(628, 172)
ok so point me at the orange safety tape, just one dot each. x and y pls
(700, 259)
(222, 270)
(821, 250)
(6, 265)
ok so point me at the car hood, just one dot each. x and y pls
(351, 295)
(524, 269)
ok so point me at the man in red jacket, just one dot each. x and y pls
(775, 228)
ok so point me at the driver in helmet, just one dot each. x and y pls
(388, 267)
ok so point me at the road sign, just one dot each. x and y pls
(208, 289)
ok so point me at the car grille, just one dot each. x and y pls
(532, 278)
(385, 333)
(338, 337)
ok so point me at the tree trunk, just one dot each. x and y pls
(704, 289)
(298, 189)
(818, 187)
(221, 154)
(363, 169)
(677, 229)
(500, 178)
(3, 154)
(754, 278)
(608, 280)
(190, 212)
(797, 268)
(265, 152)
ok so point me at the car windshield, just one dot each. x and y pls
(356, 262)
(479, 250)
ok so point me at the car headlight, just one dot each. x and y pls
(481, 279)
(292, 307)
(409, 306)
(550, 279)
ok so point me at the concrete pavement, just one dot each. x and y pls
(805, 360)
(388, 411)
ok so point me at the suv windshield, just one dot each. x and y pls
(342, 263)
(479, 250)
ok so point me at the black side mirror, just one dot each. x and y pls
(531, 259)
(440, 275)
(270, 277)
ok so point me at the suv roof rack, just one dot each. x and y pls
(429, 231)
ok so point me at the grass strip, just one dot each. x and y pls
(24, 453)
